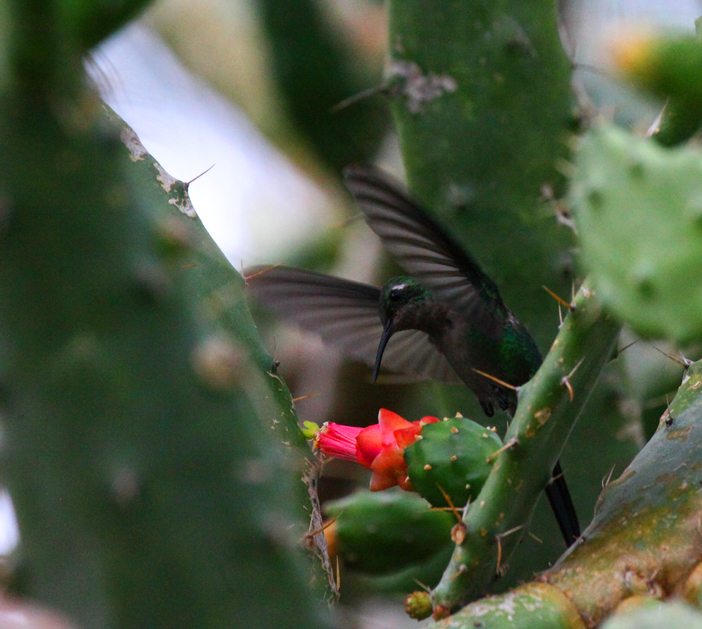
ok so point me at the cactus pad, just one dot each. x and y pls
(638, 209)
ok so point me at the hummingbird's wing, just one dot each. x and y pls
(424, 249)
(346, 315)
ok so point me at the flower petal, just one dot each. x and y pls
(368, 445)
(407, 436)
(388, 467)
(338, 440)
(389, 422)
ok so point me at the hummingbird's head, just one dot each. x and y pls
(402, 302)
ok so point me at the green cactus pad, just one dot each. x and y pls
(381, 533)
(451, 455)
(638, 209)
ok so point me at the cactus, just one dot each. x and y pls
(655, 614)
(637, 209)
(534, 605)
(549, 405)
(452, 458)
(315, 75)
(383, 533)
(658, 493)
(214, 283)
(642, 543)
(486, 157)
(136, 417)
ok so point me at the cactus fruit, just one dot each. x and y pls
(665, 66)
(452, 456)
(381, 533)
(638, 208)
(668, 67)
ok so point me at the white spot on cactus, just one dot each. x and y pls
(508, 605)
(131, 140)
(137, 153)
(173, 233)
(216, 362)
(255, 471)
(416, 87)
(125, 485)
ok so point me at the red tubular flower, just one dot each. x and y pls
(338, 441)
(380, 447)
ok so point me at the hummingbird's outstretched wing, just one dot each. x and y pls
(424, 249)
(346, 315)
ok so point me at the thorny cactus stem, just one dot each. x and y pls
(549, 406)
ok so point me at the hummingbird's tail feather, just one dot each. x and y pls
(562, 506)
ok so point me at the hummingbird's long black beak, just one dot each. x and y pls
(388, 331)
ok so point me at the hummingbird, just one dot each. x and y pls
(444, 321)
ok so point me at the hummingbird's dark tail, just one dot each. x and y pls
(562, 506)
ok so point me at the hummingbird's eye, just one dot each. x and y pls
(395, 293)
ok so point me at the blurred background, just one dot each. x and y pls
(262, 103)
